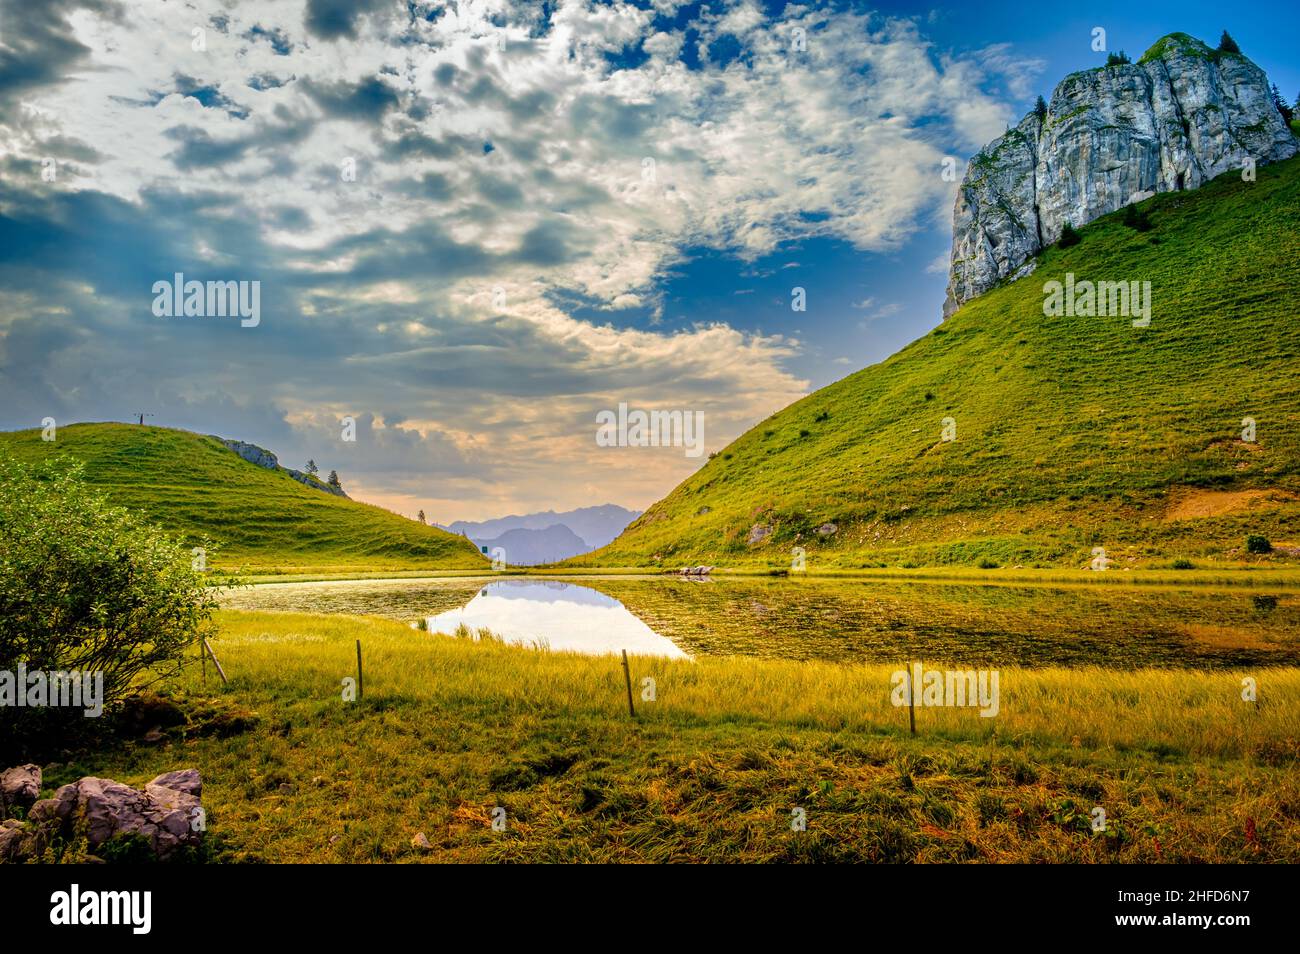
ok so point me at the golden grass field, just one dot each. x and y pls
(450, 729)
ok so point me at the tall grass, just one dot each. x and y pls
(450, 729)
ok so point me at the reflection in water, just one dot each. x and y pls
(560, 616)
(1115, 626)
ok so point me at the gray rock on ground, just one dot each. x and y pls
(164, 814)
(20, 785)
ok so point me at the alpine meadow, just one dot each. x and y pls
(612, 432)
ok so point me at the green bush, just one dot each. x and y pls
(88, 587)
(1136, 219)
(1257, 544)
(1068, 236)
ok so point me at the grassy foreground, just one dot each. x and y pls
(450, 729)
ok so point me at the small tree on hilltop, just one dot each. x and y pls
(1117, 59)
(1040, 108)
(420, 517)
(1227, 44)
(311, 468)
(333, 480)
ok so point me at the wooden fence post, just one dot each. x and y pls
(216, 662)
(911, 696)
(627, 677)
(360, 679)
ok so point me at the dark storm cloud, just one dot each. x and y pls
(366, 101)
(552, 242)
(69, 147)
(433, 186)
(199, 149)
(630, 122)
(37, 47)
(413, 144)
(332, 19)
(90, 260)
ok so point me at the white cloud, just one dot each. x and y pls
(596, 180)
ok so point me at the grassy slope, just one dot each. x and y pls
(710, 770)
(1071, 432)
(191, 484)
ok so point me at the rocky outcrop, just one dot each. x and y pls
(167, 815)
(264, 458)
(1113, 135)
(19, 786)
(253, 454)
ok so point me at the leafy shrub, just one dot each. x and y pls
(1135, 218)
(1068, 236)
(1258, 544)
(89, 587)
(1182, 563)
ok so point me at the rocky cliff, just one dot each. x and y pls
(1180, 116)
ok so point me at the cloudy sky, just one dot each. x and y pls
(477, 224)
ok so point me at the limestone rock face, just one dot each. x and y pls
(1181, 116)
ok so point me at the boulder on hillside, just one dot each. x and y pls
(253, 454)
(262, 457)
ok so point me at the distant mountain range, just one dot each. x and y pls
(524, 547)
(548, 536)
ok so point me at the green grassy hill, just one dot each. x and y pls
(263, 519)
(1071, 432)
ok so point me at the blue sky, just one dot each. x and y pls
(475, 225)
(901, 289)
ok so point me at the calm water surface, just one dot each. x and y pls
(1116, 626)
